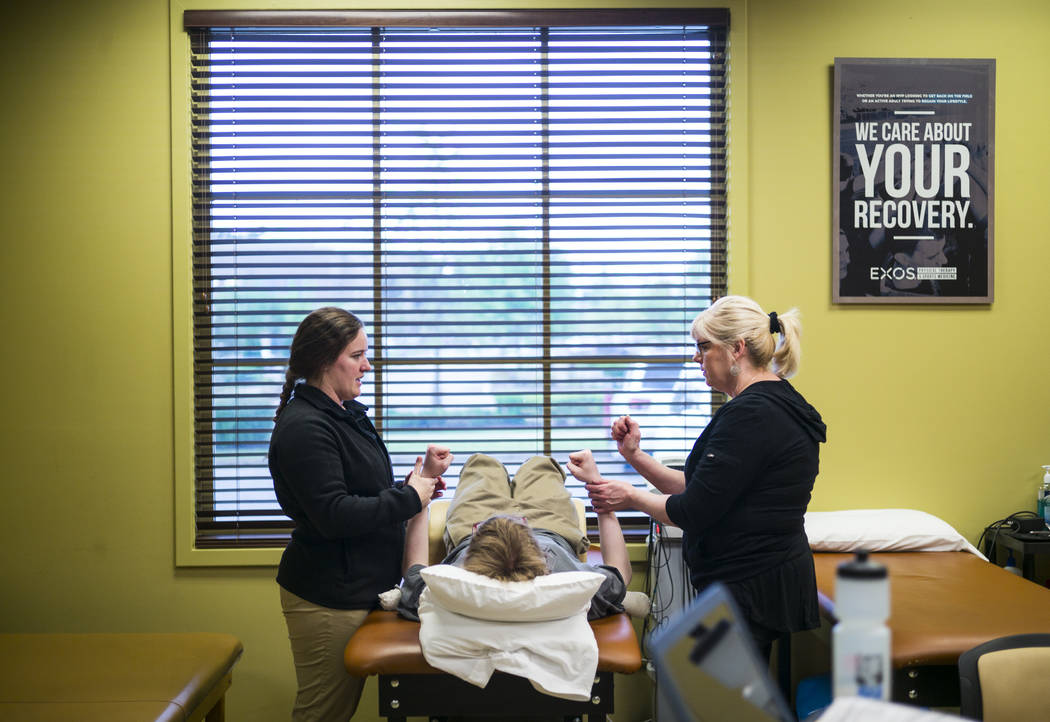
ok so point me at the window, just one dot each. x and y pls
(525, 209)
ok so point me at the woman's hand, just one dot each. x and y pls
(627, 435)
(581, 465)
(426, 487)
(437, 460)
(609, 495)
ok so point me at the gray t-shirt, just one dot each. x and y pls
(560, 558)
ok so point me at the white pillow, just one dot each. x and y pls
(883, 530)
(551, 596)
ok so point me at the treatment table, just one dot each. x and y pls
(116, 677)
(388, 646)
(942, 603)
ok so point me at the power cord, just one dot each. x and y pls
(667, 583)
(990, 535)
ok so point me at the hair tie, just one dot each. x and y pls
(774, 323)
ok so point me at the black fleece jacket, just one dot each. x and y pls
(333, 477)
(748, 483)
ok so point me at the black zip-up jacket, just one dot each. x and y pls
(748, 482)
(333, 477)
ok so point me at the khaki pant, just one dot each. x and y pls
(327, 693)
(537, 493)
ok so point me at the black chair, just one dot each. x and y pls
(1006, 679)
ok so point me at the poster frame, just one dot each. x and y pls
(872, 265)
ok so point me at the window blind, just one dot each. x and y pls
(526, 217)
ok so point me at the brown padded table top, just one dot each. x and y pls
(112, 677)
(387, 644)
(944, 603)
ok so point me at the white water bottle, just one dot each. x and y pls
(860, 641)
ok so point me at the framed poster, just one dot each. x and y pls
(913, 151)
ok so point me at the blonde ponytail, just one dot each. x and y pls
(789, 350)
(738, 318)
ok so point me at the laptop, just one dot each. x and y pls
(708, 667)
(709, 670)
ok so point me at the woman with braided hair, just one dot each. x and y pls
(742, 497)
(333, 477)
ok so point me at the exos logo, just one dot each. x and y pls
(897, 273)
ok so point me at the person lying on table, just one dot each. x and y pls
(518, 530)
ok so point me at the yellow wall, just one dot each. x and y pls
(941, 409)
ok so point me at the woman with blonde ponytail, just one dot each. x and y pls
(743, 494)
(333, 477)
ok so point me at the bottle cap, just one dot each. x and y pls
(860, 567)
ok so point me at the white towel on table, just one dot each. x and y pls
(559, 657)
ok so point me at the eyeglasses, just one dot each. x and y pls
(702, 346)
(478, 524)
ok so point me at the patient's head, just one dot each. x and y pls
(505, 549)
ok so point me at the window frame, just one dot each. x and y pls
(186, 553)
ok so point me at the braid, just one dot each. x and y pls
(286, 392)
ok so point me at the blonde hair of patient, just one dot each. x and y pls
(734, 318)
(505, 549)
